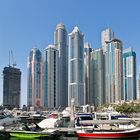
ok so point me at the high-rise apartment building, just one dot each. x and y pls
(138, 95)
(34, 81)
(97, 93)
(129, 72)
(11, 87)
(60, 42)
(50, 80)
(114, 71)
(87, 54)
(106, 35)
(76, 67)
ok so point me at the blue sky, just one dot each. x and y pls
(28, 23)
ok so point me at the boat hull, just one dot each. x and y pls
(26, 134)
(107, 135)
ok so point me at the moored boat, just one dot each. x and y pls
(107, 134)
(28, 134)
(80, 117)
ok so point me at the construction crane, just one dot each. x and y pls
(11, 58)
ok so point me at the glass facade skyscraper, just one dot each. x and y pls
(87, 54)
(114, 72)
(138, 95)
(60, 42)
(97, 93)
(34, 81)
(50, 63)
(129, 70)
(76, 67)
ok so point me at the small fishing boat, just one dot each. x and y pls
(107, 134)
(28, 134)
(33, 134)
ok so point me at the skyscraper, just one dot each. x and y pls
(138, 96)
(50, 63)
(76, 67)
(34, 81)
(11, 87)
(60, 42)
(113, 71)
(87, 54)
(106, 35)
(129, 70)
(97, 93)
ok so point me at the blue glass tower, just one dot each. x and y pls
(60, 42)
(129, 70)
(76, 67)
(50, 78)
(87, 55)
(97, 93)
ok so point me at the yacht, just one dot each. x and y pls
(6, 118)
(83, 117)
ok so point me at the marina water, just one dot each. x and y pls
(72, 138)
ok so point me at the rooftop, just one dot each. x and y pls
(60, 26)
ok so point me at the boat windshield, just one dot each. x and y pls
(82, 118)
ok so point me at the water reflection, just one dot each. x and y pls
(66, 138)
(110, 139)
(13, 138)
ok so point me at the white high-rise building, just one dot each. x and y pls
(60, 42)
(106, 35)
(50, 78)
(76, 67)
